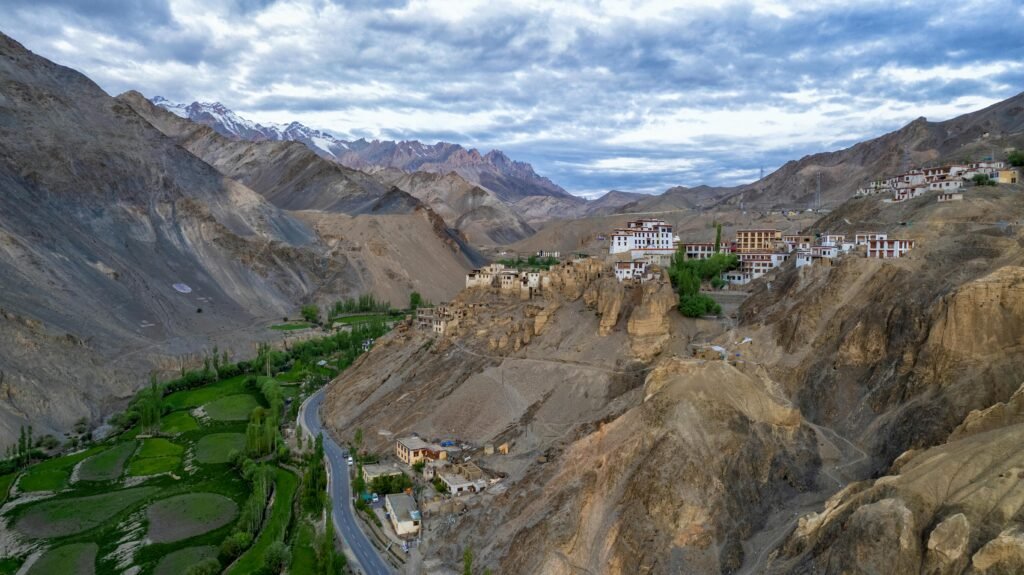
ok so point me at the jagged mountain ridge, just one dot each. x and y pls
(509, 179)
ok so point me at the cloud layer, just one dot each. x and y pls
(636, 96)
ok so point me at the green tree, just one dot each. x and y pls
(415, 300)
(277, 556)
(357, 439)
(718, 237)
(234, 544)
(209, 566)
(1015, 158)
(467, 562)
(983, 180)
(311, 313)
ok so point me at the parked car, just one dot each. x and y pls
(374, 498)
(350, 460)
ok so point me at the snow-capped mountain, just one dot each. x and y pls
(510, 180)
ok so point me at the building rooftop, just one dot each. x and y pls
(414, 443)
(378, 469)
(403, 506)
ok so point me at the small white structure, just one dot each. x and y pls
(824, 251)
(832, 239)
(404, 515)
(949, 197)
(635, 270)
(889, 248)
(946, 185)
(803, 258)
(737, 277)
(640, 234)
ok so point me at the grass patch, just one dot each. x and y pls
(275, 527)
(155, 456)
(303, 552)
(74, 559)
(53, 474)
(10, 565)
(177, 562)
(216, 447)
(178, 422)
(184, 516)
(70, 515)
(5, 486)
(232, 408)
(291, 326)
(107, 465)
(199, 396)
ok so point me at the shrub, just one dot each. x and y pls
(208, 566)
(698, 305)
(311, 313)
(234, 544)
(983, 180)
(277, 556)
(1015, 158)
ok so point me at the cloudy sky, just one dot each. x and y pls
(597, 95)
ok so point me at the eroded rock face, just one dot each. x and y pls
(648, 325)
(999, 415)
(984, 317)
(605, 296)
(1004, 554)
(948, 546)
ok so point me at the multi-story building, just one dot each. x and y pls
(758, 264)
(642, 234)
(1011, 176)
(832, 239)
(411, 450)
(751, 241)
(888, 248)
(862, 238)
(825, 252)
(405, 517)
(797, 241)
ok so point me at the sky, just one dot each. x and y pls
(635, 96)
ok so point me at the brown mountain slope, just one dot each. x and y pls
(100, 215)
(476, 212)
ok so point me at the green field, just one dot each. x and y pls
(106, 465)
(178, 422)
(303, 552)
(176, 562)
(155, 456)
(275, 527)
(205, 394)
(184, 516)
(5, 485)
(216, 447)
(232, 408)
(53, 474)
(74, 559)
(70, 515)
(291, 326)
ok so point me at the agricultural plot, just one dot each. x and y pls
(232, 407)
(156, 455)
(5, 486)
(178, 422)
(73, 559)
(205, 394)
(184, 516)
(106, 465)
(53, 474)
(176, 562)
(291, 326)
(70, 515)
(216, 447)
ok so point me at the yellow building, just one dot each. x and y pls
(412, 450)
(1011, 176)
(748, 241)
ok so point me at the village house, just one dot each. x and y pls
(946, 185)
(372, 471)
(659, 256)
(758, 264)
(824, 252)
(698, 251)
(463, 478)
(835, 240)
(888, 248)
(1011, 176)
(411, 450)
(642, 234)
(752, 241)
(797, 241)
(635, 270)
(405, 517)
(949, 197)
(862, 238)
(737, 277)
(803, 258)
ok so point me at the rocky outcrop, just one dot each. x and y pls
(648, 325)
(948, 546)
(605, 297)
(1002, 414)
(1004, 554)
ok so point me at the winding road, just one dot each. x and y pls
(345, 522)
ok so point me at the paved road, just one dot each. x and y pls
(341, 495)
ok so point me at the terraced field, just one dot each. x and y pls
(184, 516)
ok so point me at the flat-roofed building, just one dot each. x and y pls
(750, 241)
(411, 450)
(404, 515)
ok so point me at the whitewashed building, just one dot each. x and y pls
(635, 270)
(886, 248)
(862, 238)
(642, 234)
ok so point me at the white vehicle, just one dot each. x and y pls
(350, 460)
(375, 498)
